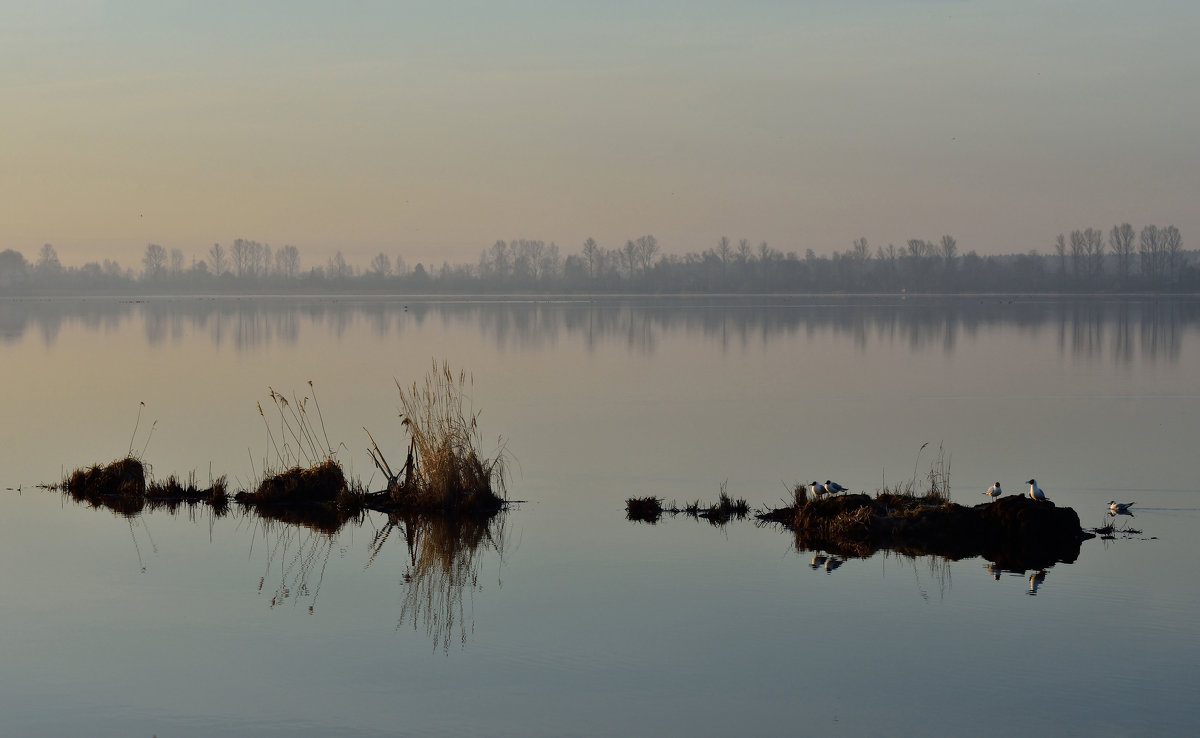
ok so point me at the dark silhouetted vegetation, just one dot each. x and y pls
(651, 509)
(445, 473)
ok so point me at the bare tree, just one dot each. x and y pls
(724, 253)
(338, 268)
(154, 263)
(550, 263)
(1078, 255)
(1172, 246)
(239, 255)
(1060, 249)
(529, 257)
(861, 252)
(176, 262)
(1149, 247)
(629, 258)
(218, 260)
(287, 261)
(949, 248)
(499, 263)
(1093, 239)
(744, 252)
(381, 266)
(647, 248)
(48, 266)
(1120, 243)
(592, 256)
(254, 258)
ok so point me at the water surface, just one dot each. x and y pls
(577, 622)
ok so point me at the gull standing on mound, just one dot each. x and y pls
(994, 491)
(1119, 507)
(834, 488)
(1035, 492)
(817, 490)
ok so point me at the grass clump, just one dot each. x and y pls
(124, 477)
(445, 468)
(321, 483)
(308, 471)
(643, 509)
(651, 509)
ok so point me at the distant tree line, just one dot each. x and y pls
(1085, 260)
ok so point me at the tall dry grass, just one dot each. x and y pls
(445, 468)
(295, 437)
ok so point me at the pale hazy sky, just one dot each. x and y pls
(431, 129)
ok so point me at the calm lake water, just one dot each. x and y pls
(564, 618)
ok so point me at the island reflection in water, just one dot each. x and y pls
(444, 553)
(1122, 328)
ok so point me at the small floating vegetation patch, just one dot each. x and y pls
(651, 509)
(1111, 531)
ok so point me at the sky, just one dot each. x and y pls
(430, 130)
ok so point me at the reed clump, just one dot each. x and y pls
(445, 468)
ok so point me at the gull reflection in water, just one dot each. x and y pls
(829, 562)
(1035, 580)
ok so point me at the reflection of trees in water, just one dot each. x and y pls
(1089, 329)
(1085, 328)
(1160, 330)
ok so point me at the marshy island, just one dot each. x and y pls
(1015, 532)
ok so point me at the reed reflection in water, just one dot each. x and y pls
(445, 554)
